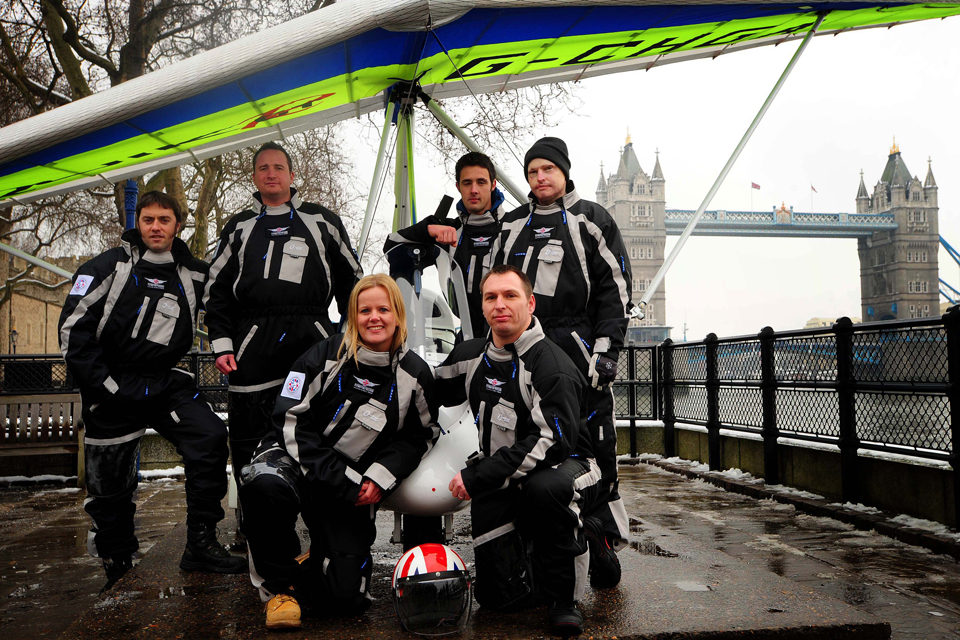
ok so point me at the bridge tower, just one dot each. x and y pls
(899, 277)
(637, 202)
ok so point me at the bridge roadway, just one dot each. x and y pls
(704, 563)
(782, 223)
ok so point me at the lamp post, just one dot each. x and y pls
(13, 341)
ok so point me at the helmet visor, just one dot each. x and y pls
(433, 606)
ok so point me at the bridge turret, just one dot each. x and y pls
(602, 188)
(863, 198)
(930, 186)
(658, 182)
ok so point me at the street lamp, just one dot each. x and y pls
(13, 340)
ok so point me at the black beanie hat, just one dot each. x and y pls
(552, 149)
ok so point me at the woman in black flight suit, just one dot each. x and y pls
(355, 416)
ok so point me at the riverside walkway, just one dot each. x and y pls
(704, 563)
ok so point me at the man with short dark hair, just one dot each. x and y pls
(128, 319)
(277, 268)
(535, 471)
(573, 253)
(469, 237)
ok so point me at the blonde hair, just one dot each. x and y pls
(351, 338)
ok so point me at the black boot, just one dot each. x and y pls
(565, 619)
(604, 563)
(116, 567)
(205, 553)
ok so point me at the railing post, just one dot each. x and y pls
(713, 405)
(632, 397)
(951, 322)
(846, 398)
(656, 408)
(768, 397)
(666, 393)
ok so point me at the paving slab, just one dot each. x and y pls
(672, 587)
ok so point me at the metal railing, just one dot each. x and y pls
(885, 386)
(48, 374)
(636, 392)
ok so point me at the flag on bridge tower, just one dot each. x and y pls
(813, 189)
(754, 185)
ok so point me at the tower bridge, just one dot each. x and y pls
(781, 223)
(896, 228)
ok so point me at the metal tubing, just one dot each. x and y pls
(404, 188)
(130, 193)
(411, 177)
(401, 185)
(36, 261)
(519, 194)
(658, 279)
(377, 179)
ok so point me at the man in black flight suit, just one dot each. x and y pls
(574, 254)
(277, 268)
(128, 319)
(535, 471)
(470, 236)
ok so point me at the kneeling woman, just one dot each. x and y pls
(355, 417)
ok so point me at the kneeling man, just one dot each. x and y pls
(535, 472)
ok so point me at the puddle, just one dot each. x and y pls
(684, 585)
(648, 547)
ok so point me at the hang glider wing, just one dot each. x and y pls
(335, 63)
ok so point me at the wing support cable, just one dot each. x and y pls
(479, 104)
(945, 294)
(639, 309)
(519, 194)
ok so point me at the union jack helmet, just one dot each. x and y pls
(432, 592)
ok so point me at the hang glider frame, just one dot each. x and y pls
(399, 114)
(398, 134)
(639, 309)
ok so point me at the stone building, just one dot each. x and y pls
(637, 202)
(899, 275)
(33, 310)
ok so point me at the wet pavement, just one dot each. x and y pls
(47, 579)
(705, 564)
(915, 590)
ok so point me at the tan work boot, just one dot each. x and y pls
(283, 612)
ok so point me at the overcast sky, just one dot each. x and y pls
(837, 114)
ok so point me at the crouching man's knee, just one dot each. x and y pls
(503, 568)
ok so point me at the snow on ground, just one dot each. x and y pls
(926, 525)
(737, 474)
(643, 424)
(742, 476)
(161, 473)
(862, 508)
(904, 458)
(790, 491)
(41, 478)
(693, 465)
